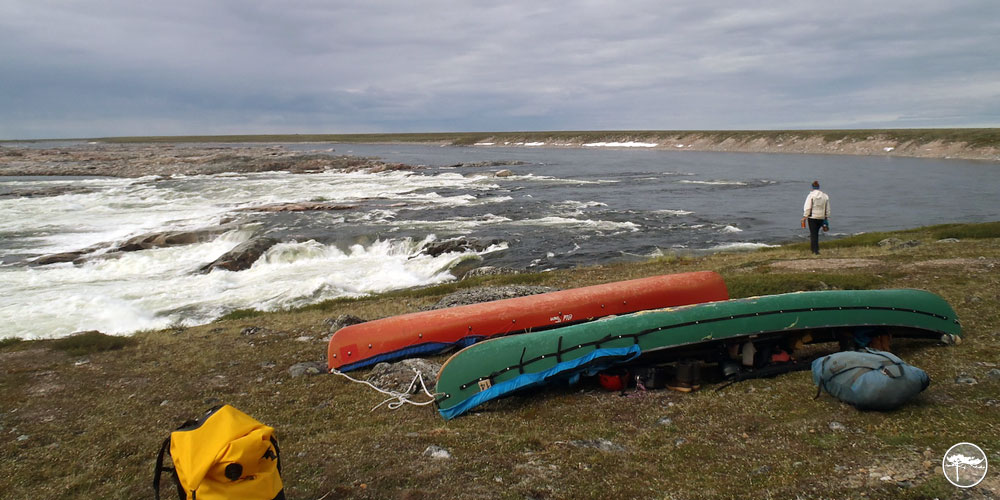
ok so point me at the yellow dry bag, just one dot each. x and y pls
(225, 454)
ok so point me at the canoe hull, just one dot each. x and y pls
(431, 332)
(493, 363)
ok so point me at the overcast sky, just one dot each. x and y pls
(152, 67)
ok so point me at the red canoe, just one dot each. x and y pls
(431, 332)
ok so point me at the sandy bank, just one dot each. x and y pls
(873, 145)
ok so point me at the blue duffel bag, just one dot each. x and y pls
(868, 379)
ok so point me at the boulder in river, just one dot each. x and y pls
(172, 238)
(57, 258)
(437, 248)
(302, 206)
(241, 257)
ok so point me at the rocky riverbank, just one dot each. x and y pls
(869, 145)
(203, 156)
(141, 160)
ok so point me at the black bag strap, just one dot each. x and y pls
(277, 451)
(161, 469)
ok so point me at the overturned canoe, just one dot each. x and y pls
(431, 332)
(498, 367)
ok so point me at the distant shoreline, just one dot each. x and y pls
(136, 156)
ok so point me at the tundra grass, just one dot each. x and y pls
(88, 425)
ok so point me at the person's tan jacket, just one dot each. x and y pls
(817, 205)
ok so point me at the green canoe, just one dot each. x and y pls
(495, 368)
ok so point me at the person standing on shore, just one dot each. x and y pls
(816, 212)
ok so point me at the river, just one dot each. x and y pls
(560, 208)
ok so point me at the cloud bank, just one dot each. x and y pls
(117, 67)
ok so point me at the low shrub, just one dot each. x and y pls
(9, 341)
(91, 342)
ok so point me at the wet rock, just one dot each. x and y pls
(437, 453)
(171, 238)
(487, 294)
(503, 173)
(57, 258)
(45, 192)
(76, 256)
(387, 167)
(598, 444)
(307, 368)
(478, 164)
(305, 206)
(437, 248)
(463, 265)
(398, 376)
(241, 257)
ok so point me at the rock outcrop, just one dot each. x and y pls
(171, 238)
(144, 241)
(303, 206)
(437, 248)
(241, 257)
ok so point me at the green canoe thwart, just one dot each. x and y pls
(495, 368)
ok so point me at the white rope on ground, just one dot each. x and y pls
(398, 398)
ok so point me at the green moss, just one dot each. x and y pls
(241, 314)
(967, 231)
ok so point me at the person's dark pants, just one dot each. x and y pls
(814, 225)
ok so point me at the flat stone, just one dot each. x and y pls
(598, 444)
(437, 453)
(307, 368)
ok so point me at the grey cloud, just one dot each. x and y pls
(115, 67)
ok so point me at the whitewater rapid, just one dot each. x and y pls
(159, 287)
